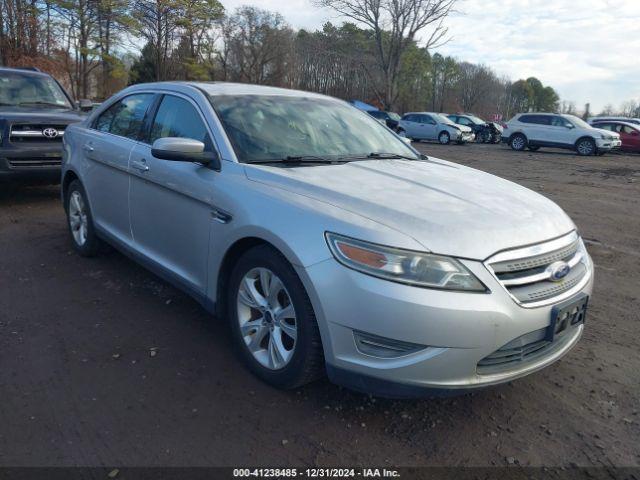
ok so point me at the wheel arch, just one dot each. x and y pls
(229, 259)
(585, 137)
(518, 133)
(69, 177)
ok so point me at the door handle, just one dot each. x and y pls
(88, 147)
(140, 165)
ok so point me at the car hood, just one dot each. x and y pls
(448, 208)
(18, 114)
(462, 128)
(607, 132)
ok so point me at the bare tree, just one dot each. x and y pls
(395, 24)
(257, 46)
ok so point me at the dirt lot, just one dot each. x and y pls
(79, 386)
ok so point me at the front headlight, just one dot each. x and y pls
(403, 266)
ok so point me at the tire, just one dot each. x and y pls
(518, 142)
(585, 147)
(284, 351)
(533, 148)
(80, 221)
(444, 138)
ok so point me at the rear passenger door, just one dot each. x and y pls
(106, 147)
(171, 202)
(410, 125)
(537, 128)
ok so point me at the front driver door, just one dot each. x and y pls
(171, 202)
(428, 128)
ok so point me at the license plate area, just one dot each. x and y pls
(567, 315)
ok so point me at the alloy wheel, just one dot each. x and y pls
(444, 138)
(585, 147)
(78, 218)
(267, 318)
(518, 143)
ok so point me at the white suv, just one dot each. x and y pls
(535, 130)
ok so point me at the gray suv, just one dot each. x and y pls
(325, 241)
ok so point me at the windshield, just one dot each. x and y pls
(18, 89)
(578, 122)
(476, 120)
(274, 127)
(442, 118)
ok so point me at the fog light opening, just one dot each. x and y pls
(381, 347)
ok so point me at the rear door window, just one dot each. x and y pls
(126, 117)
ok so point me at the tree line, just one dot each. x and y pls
(374, 56)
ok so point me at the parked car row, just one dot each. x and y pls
(460, 128)
(524, 131)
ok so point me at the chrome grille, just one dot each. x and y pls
(35, 132)
(527, 273)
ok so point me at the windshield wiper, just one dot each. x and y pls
(295, 159)
(387, 156)
(47, 104)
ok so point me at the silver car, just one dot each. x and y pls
(433, 126)
(328, 243)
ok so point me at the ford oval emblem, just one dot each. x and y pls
(558, 270)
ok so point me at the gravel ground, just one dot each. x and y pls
(102, 363)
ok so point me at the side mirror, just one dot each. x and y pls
(85, 105)
(570, 126)
(178, 149)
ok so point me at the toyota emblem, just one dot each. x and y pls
(50, 132)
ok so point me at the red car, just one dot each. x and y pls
(629, 133)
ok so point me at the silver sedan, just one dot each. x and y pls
(327, 242)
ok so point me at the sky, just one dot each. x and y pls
(588, 50)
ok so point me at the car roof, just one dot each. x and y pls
(228, 88)
(424, 113)
(620, 122)
(24, 71)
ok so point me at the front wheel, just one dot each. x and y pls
(272, 321)
(80, 221)
(444, 138)
(586, 147)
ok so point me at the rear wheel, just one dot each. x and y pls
(518, 142)
(586, 147)
(80, 221)
(272, 320)
(444, 138)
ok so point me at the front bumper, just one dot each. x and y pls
(38, 164)
(458, 330)
(466, 137)
(606, 145)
